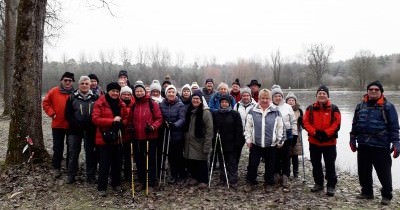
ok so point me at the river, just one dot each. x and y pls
(347, 101)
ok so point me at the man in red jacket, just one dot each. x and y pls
(54, 106)
(322, 122)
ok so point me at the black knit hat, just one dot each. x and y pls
(68, 75)
(123, 73)
(112, 86)
(226, 98)
(323, 88)
(376, 83)
(199, 94)
(236, 82)
(93, 76)
(209, 80)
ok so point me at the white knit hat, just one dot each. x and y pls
(126, 89)
(194, 84)
(155, 85)
(188, 87)
(276, 89)
(291, 95)
(170, 87)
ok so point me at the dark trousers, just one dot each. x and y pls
(74, 144)
(231, 165)
(175, 159)
(198, 170)
(140, 158)
(295, 164)
(268, 153)
(59, 134)
(109, 158)
(126, 161)
(379, 158)
(329, 153)
(238, 153)
(282, 161)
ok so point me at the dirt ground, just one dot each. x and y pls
(33, 187)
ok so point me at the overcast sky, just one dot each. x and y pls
(229, 29)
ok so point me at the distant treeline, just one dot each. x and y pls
(343, 74)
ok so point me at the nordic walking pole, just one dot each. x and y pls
(223, 159)
(132, 177)
(166, 154)
(212, 164)
(162, 167)
(302, 156)
(147, 167)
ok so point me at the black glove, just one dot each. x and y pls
(148, 129)
(172, 125)
(321, 136)
(294, 140)
(118, 125)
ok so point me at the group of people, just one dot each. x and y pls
(190, 128)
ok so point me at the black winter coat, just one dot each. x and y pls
(78, 112)
(229, 126)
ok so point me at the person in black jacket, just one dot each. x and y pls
(78, 111)
(228, 124)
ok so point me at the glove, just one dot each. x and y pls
(294, 140)
(396, 149)
(321, 136)
(172, 125)
(118, 124)
(353, 143)
(280, 144)
(148, 129)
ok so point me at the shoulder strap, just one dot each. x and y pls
(310, 109)
(151, 105)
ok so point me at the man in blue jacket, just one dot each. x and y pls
(375, 128)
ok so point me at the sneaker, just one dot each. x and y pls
(203, 186)
(102, 193)
(317, 188)
(364, 196)
(330, 191)
(385, 201)
(70, 180)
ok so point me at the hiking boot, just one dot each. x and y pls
(277, 179)
(91, 180)
(268, 188)
(139, 187)
(317, 188)
(171, 180)
(117, 188)
(385, 201)
(192, 182)
(233, 186)
(364, 196)
(330, 191)
(70, 180)
(285, 181)
(102, 193)
(57, 173)
(203, 186)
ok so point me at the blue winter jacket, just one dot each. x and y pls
(174, 113)
(214, 102)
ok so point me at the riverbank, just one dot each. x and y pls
(33, 187)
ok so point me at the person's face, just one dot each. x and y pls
(196, 101)
(246, 98)
(277, 99)
(165, 85)
(84, 86)
(185, 93)
(264, 101)
(122, 82)
(93, 83)
(140, 92)
(224, 104)
(155, 93)
(374, 92)
(171, 94)
(322, 97)
(235, 88)
(126, 96)
(124, 78)
(254, 88)
(291, 101)
(194, 88)
(67, 83)
(223, 90)
(209, 85)
(147, 89)
(114, 93)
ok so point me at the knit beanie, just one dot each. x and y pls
(209, 80)
(323, 88)
(112, 86)
(126, 89)
(376, 83)
(194, 84)
(236, 82)
(139, 83)
(155, 85)
(276, 89)
(226, 98)
(290, 95)
(187, 86)
(245, 90)
(123, 73)
(68, 75)
(93, 76)
(198, 93)
(170, 87)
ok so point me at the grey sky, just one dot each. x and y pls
(229, 29)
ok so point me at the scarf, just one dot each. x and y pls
(224, 110)
(198, 124)
(114, 104)
(66, 91)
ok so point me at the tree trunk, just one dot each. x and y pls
(26, 115)
(9, 50)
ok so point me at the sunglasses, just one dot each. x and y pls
(67, 80)
(374, 89)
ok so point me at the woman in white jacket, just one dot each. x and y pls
(263, 133)
(282, 164)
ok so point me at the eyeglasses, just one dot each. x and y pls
(83, 83)
(67, 80)
(374, 89)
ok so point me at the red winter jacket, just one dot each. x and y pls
(54, 106)
(127, 132)
(321, 120)
(141, 115)
(103, 117)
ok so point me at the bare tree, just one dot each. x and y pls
(318, 60)
(276, 64)
(126, 56)
(363, 67)
(26, 115)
